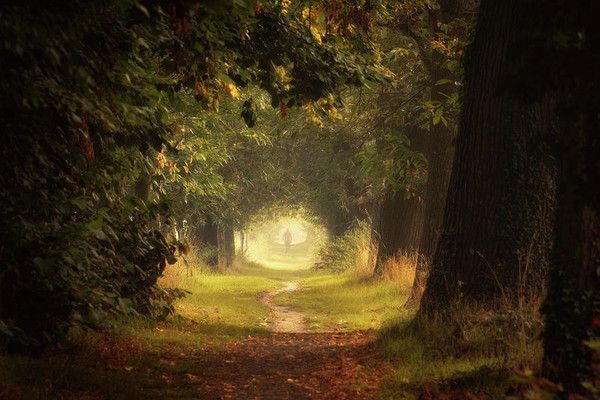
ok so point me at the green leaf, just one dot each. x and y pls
(593, 344)
(437, 116)
(79, 202)
(443, 82)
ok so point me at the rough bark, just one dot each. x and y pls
(497, 227)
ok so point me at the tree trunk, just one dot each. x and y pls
(572, 307)
(243, 248)
(210, 232)
(399, 227)
(439, 150)
(208, 236)
(226, 246)
(439, 156)
(398, 221)
(497, 227)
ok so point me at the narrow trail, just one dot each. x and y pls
(284, 319)
(292, 363)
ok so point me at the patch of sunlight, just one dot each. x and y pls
(264, 242)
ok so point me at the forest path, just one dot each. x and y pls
(284, 319)
(216, 348)
(294, 366)
(292, 363)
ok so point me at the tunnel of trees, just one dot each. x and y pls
(465, 134)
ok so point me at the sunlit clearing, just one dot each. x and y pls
(289, 242)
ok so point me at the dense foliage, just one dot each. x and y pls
(104, 113)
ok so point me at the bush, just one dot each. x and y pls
(350, 251)
(76, 244)
(83, 271)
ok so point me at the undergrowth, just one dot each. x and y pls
(348, 252)
(466, 351)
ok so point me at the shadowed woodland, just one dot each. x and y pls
(294, 199)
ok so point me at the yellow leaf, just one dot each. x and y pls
(161, 159)
(285, 5)
(306, 13)
(316, 34)
(232, 90)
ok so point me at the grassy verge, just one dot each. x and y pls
(218, 308)
(345, 301)
(469, 354)
(472, 354)
(140, 359)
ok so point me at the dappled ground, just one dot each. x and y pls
(295, 366)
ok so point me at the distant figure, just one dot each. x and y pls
(287, 239)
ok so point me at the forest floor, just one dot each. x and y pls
(293, 363)
(232, 338)
(259, 333)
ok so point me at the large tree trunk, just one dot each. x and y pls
(497, 227)
(399, 227)
(572, 307)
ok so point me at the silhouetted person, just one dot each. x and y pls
(287, 239)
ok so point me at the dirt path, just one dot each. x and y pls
(293, 364)
(284, 319)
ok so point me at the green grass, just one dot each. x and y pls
(441, 356)
(141, 359)
(218, 308)
(345, 301)
(425, 358)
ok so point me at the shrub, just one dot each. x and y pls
(350, 251)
